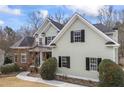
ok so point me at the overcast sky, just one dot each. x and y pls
(16, 16)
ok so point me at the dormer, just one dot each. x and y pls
(47, 31)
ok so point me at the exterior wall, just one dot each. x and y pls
(94, 46)
(51, 31)
(29, 60)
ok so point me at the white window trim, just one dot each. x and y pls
(50, 39)
(23, 54)
(15, 54)
(63, 61)
(77, 36)
(40, 41)
(93, 64)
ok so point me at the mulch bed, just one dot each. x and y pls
(9, 75)
(88, 83)
(69, 80)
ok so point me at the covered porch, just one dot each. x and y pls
(39, 55)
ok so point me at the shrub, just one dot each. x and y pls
(8, 68)
(7, 60)
(110, 74)
(48, 68)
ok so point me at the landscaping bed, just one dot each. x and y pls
(69, 80)
(88, 83)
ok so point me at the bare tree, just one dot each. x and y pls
(25, 30)
(8, 38)
(121, 16)
(107, 16)
(60, 17)
(35, 19)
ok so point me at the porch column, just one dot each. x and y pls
(41, 61)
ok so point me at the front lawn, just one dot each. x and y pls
(15, 82)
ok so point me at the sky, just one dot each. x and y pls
(15, 16)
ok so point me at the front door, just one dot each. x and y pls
(37, 59)
(46, 55)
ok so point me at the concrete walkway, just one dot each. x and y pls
(23, 76)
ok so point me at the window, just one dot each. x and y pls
(40, 41)
(23, 58)
(48, 39)
(92, 63)
(78, 36)
(36, 35)
(64, 61)
(15, 58)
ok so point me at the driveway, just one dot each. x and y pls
(15, 82)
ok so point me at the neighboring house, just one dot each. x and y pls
(78, 46)
(1, 57)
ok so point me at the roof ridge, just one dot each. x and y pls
(55, 23)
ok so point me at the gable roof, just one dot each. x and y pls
(103, 28)
(24, 42)
(72, 19)
(55, 24)
(58, 25)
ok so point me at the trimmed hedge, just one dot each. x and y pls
(8, 68)
(48, 69)
(7, 60)
(110, 74)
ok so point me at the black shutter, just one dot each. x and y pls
(82, 36)
(68, 62)
(45, 40)
(53, 37)
(87, 63)
(59, 61)
(72, 39)
(98, 62)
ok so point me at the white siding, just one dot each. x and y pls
(50, 31)
(94, 46)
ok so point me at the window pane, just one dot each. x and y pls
(49, 39)
(40, 41)
(23, 58)
(93, 64)
(64, 61)
(77, 36)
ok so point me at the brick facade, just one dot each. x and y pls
(29, 58)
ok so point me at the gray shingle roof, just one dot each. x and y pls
(58, 25)
(99, 26)
(24, 42)
(103, 28)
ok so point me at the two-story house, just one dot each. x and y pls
(78, 46)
